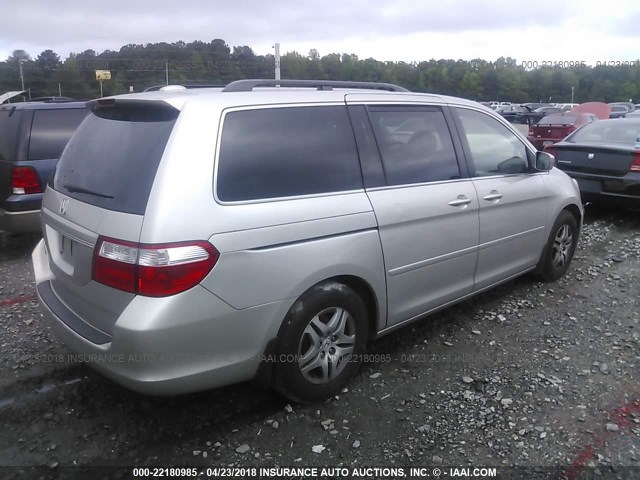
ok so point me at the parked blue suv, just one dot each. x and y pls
(32, 137)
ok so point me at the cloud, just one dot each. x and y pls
(400, 30)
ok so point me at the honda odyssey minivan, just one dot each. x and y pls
(198, 238)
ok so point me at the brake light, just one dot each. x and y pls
(25, 180)
(635, 165)
(531, 131)
(152, 270)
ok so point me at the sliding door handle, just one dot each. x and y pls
(461, 200)
(494, 195)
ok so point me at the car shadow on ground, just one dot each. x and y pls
(623, 218)
(13, 245)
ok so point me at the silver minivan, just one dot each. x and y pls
(198, 238)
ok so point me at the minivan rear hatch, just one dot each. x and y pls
(100, 189)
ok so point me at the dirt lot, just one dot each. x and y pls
(526, 377)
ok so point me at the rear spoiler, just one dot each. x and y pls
(113, 102)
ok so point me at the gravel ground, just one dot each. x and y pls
(529, 375)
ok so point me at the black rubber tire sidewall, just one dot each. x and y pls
(549, 272)
(289, 381)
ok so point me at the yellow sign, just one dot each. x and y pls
(103, 75)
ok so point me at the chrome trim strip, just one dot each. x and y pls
(431, 261)
(24, 212)
(465, 251)
(499, 241)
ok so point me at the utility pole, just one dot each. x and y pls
(59, 90)
(571, 93)
(20, 62)
(277, 57)
(166, 72)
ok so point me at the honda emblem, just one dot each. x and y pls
(64, 206)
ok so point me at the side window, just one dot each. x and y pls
(415, 144)
(282, 152)
(51, 130)
(494, 149)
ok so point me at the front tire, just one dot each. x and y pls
(560, 248)
(321, 343)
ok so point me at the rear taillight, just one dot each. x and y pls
(152, 270)
(635, 165)
(25, 180)
(530, 131)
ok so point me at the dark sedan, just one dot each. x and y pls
(515, 113)
(534, 116)
(604, 157)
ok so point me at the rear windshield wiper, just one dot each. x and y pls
(77, 189)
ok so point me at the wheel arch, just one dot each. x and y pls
(264, 376)
(365, 291)
(362, 288)
(575, 211)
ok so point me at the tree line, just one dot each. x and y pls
(136, 67)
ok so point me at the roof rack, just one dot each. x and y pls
(249, 85)
(155, 88)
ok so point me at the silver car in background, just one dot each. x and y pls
(198, 238)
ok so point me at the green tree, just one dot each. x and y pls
(48, 61)
(472, 85)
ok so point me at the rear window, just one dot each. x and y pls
(283, 152)
(608, 131)
(9, 122)
(51, 130)
(558, 120)
(112, 159)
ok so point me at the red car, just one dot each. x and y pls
(555, 127)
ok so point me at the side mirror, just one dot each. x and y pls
(544, 161)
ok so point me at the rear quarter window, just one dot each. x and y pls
(289, 151)
(51, 130)
(9, 123)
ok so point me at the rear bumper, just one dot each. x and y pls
(623, 191)
(20, 222)
(166, 346)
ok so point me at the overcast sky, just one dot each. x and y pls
(408, 30)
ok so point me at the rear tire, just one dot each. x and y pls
(320, 343)
(560, 248)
